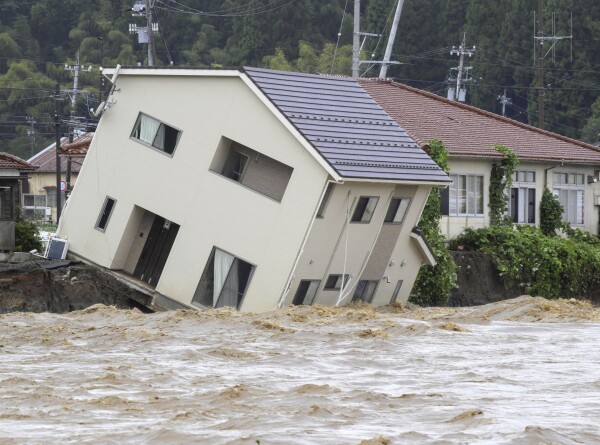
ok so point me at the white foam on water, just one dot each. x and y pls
(305, 375)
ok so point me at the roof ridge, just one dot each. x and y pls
(481, 112)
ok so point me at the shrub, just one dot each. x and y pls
(551, 212)
(531, 262)
(26, 236)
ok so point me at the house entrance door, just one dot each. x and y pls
(156, 250)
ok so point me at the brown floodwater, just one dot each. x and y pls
(523, 371)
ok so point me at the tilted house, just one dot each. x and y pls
(13, 172)
(39, 192)
(251, 189)
(569, 168)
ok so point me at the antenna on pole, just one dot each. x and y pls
(459, 92)
(143, 8)
(75, 69)
(504, 100)
(390, 42)
(539, 37)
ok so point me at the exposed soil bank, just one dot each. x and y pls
(59, 286)
(47, 286)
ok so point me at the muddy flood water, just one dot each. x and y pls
(523, 371)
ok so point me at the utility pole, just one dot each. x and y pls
(357, 46)
(391, 38)
(356, 41)
(101, 86)
(539, 36)
(540, 63)
(75, 69)
(150, 39)
(31, 133)
(143, 8)
(57, 131)
(460, 92)
(504, 100)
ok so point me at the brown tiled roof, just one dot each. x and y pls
(9, 161)
(46, 159)
(469, 132)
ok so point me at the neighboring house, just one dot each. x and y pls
(251, 189)
(567, 167)
(13, 171)
(39, 194)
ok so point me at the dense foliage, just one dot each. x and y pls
(434, 284)
(26, 236)
(536, 264)
(38, 37)
(500, 181)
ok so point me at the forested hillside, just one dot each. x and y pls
(37, 38)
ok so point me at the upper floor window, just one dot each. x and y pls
(156, 133)
(325, 200)
(569, 189)
(397, 210)
(465, 195)
(251, 169)
(365, 207)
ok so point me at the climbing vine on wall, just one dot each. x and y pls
(434, 284)
(501, 180)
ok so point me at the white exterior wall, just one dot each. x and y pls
(451, 226)
(326, 251)
(211, 209)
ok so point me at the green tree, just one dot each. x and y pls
(551, 212)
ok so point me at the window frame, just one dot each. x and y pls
(314, 296)
(523, 180)
(241, 174)
(137, 129)
(365, 288)
(386, 220)
(353, 218)
(337, 284)
(457, 197)
(325, 201)
(210, 260)
(570, 183)
(102, 213)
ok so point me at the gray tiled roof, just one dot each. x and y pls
(346, 126)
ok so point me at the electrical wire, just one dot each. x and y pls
(337, 43)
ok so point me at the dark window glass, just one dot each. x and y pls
(107, 209)
(155, 133)
(235, 166)
(397, 210)
(307, 291)
(334, 282)
(224, 282)
(365, 207)
(365, 289)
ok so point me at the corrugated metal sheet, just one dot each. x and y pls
(346, 126)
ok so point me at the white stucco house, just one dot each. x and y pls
(252, 189)
(569, 168)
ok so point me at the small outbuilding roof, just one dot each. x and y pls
(353, 133)
(9, 161)
(470, 132)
